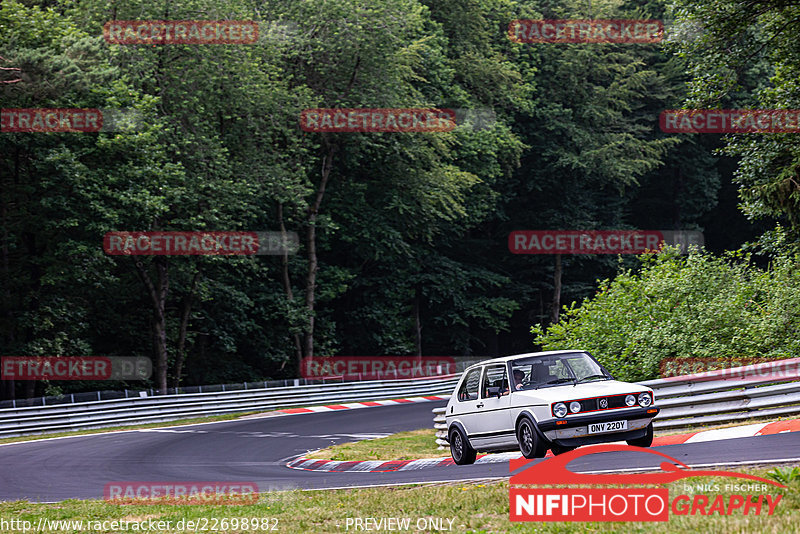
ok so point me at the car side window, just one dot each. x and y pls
(469, 387)
(495, 377)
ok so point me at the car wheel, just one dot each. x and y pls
(644, 441)
(531, 443)
(558, 449)
(460, 449)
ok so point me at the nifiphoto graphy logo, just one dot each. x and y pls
(613, 503)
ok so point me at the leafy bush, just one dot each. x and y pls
(785, 475)
(697, 305)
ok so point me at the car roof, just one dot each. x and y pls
(505, 359)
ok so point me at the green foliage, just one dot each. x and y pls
(747, 57)
(410, 229)
(784, 475)
(675, 306)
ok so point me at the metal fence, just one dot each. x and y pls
(86, 396)
(135, 410)
(462, 362)
(766, 390)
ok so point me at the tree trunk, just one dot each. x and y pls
(186, 310)
(417, 323)
(7, 386)
(158, 299)
(677, 189)
(311, 278)
(554, 312)
(287, 285)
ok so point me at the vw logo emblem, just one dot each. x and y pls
(604, 403)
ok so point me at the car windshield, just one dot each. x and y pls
(555, 369)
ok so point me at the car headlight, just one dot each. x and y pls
(645, 400)
(630, 400)
(560, 409)
(574, 406)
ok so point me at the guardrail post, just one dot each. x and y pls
(440, 425)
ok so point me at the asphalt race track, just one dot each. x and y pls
(256, 450)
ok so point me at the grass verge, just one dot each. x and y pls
(411, 445)
(458, 507)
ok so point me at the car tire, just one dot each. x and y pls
(531, 443)
(644, 441)
(558, 449)
(460, 449)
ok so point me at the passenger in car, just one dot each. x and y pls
(519, 375)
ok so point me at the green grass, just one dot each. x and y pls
(410, 445)
(473, 507)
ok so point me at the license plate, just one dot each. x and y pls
(611, 426)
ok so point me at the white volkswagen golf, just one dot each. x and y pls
(555, 400)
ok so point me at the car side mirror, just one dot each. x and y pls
(494, 392)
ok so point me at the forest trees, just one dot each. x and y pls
(403, 247)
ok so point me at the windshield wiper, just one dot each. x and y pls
(560, 381)
(591, 377)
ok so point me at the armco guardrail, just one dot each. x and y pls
(770, 389)
(97, 414)
(462, 362)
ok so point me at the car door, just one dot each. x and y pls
(465, 408)
(493, 420)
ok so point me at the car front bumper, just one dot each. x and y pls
(574, 431)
